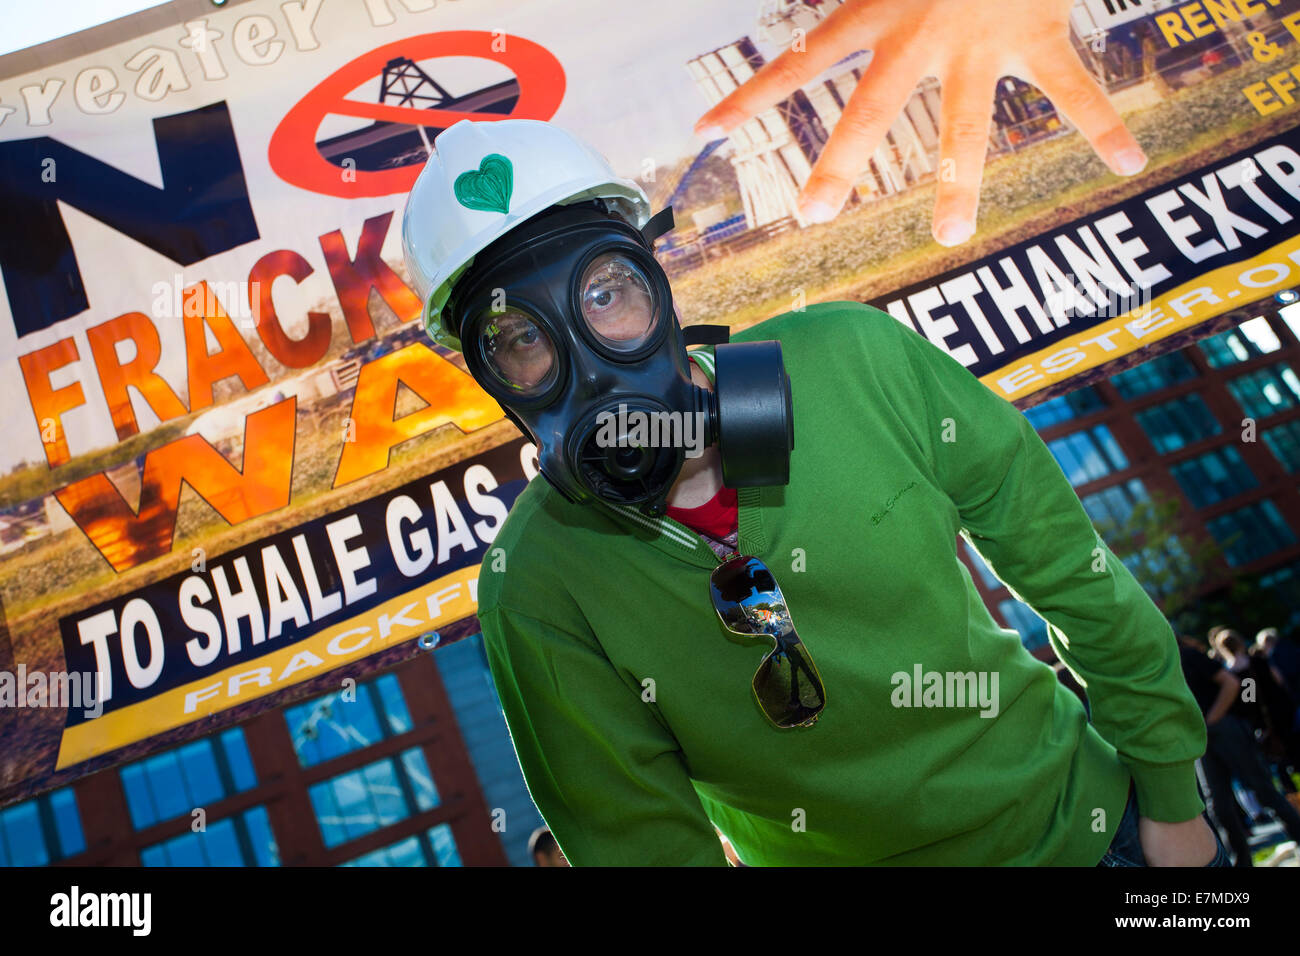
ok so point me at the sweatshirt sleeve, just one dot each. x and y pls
(608, 778)
(1021, 514)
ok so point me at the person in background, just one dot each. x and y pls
(1265, 644)
(544, 850)
(1232, 652)
(1283, 657)
(1231, 751)
(1281, 742)
(1268, 706)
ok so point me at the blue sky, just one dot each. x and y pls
(27, 23)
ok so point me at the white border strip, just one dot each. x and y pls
(666, 530)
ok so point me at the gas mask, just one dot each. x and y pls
(568, 322)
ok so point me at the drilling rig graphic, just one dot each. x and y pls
(388, 145)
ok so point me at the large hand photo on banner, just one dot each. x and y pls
(236, 470)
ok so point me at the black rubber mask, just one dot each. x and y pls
(568, 322)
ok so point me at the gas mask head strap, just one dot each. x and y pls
(658, 224)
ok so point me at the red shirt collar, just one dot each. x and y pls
(717, 517)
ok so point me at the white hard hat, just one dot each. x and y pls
(484, 179)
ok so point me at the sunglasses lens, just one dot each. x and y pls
(788, 687)
(747, 598)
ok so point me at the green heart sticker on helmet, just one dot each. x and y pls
(487, 188)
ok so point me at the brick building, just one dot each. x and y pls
(415, 768)
(1215, 426)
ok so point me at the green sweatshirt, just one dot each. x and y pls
(632, 712)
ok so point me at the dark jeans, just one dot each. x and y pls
(1126, 850)
(1231, 751)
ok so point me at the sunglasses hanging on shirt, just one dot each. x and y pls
(750, 604)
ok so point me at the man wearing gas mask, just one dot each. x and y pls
(699, 625)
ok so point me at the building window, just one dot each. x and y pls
(241, 840)
(444, 846)
(335, 724)
(1176, 423)
(1161, 372)
(986, 574)
(408, 852)
(1088, 455)
(1137, 564)
(42, 830)
(1064, 408)
(1249, 340)
(1112, 510)
(1284, 441)
(463, 669)
(1022, 618)
(173, 783)
(374, 796)
(1152, 564)
(434, 847)
(1250, 533)
(1113, 506)
(1213, 477)
(1268, 390)
(1290, 314)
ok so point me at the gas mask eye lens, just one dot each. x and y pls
(617, 303)
(518, 351)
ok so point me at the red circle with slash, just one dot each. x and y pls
(293, 152)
